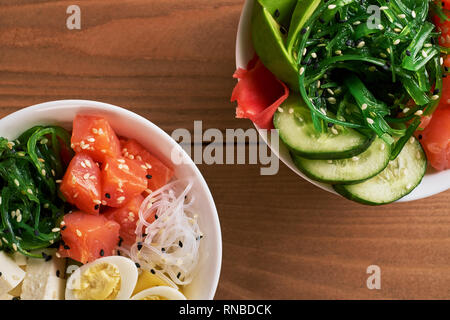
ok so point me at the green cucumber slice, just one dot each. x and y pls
(399, 178)
(296, 130)
(347, 171)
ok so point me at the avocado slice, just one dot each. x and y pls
(281, 10)
(303, 11)
(268, 41)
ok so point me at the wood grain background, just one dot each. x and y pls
(171, 61)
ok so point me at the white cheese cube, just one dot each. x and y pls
(11, 273)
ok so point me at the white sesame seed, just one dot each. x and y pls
(120, 199)
(364, 106)
(14, 246)
(412, 139)
(406, 110)
(361, 44)
(57, 255)
(435, 97)
(46, 205)
(332, 100)
(88, 163)
(149, 166)
(330, 161)
(331, 6)
(334, 131)
(53, 173)
(91, 139)
(19, 217)
(17, 182)
(291, 110)
(384, 8)
(280, 110)
(396, 42)
(302, 70)
(418, 155)
(43, 172)
(424, 54)
(58, 181)
(355, 158)
(100, 131)
(442, 60)
(427, 45)
(398, 30)
(120, 160)
(413, 14)
(370, 121)
(338, 52)
(78, 233)
(402, 16)
(418, 113)
(314, 55)
(83, 164)
(330, 91)
(356, 23)
(97, 202)
(94, 130)
(383, 146)
(305, 51)
(75, 195)
(30, 191)
(56, 229)
(86, 176)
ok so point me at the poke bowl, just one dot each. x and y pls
(432, 182)
(118, 212)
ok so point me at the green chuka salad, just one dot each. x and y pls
(31, 206)
(361, 73)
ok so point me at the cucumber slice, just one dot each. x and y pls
(399, 178)
(297, 131)
(348, 171)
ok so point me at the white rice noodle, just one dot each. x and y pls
(170, 244)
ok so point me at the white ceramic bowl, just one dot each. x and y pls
(434, 182)
(131, 125)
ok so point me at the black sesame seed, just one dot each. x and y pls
(163, 249)
(16, 298)
(144, 235)
(63, 228)
(283, 30)
(420, 137)
(138, 265)
(0, 274)
(330, 124)
(107, 195)
(149, 176)
(436, 91)
(57, 273)
(96, 207)
(156, 217)
(408, 53)
(139, 245)
(118, 252)
(303, 31)
(276, 14)
(152, 271)
(66, 247)
(46, 256)
(179, 275)
(102, 252)
(180, 244)
(120, 241)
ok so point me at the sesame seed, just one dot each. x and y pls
(435, 97)
(280, 110)
(361, 44)
(355, 158)
(17, 182)
(302, 70)
(418, 155)
(424, 54)
(356, 23)
(332, 100)
(57, 255)
(83, 164)
(314, 55)
(331, 6)
(56, 229)
(86, 176)
(97, 201)
(94, 130)
(402, 16)
(384, 8)
(396, 42)
(413, 14)
(338, 52)
(398, 30)
(370, 121)
(149, 166)
(120, 160)
(334, 131)
(364, 106)
(14, 246)
(383, 55)
(330, 91)
(406, 110)
(383, 146)
(418, 113)
(120, 199)
(91, 139)
(78, 233)
(291, 110)
(102, 252)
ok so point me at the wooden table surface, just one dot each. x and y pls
(171, 61)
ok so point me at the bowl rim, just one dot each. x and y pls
(97, 105)
(244, 48)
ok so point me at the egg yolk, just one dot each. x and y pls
(99, 282)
